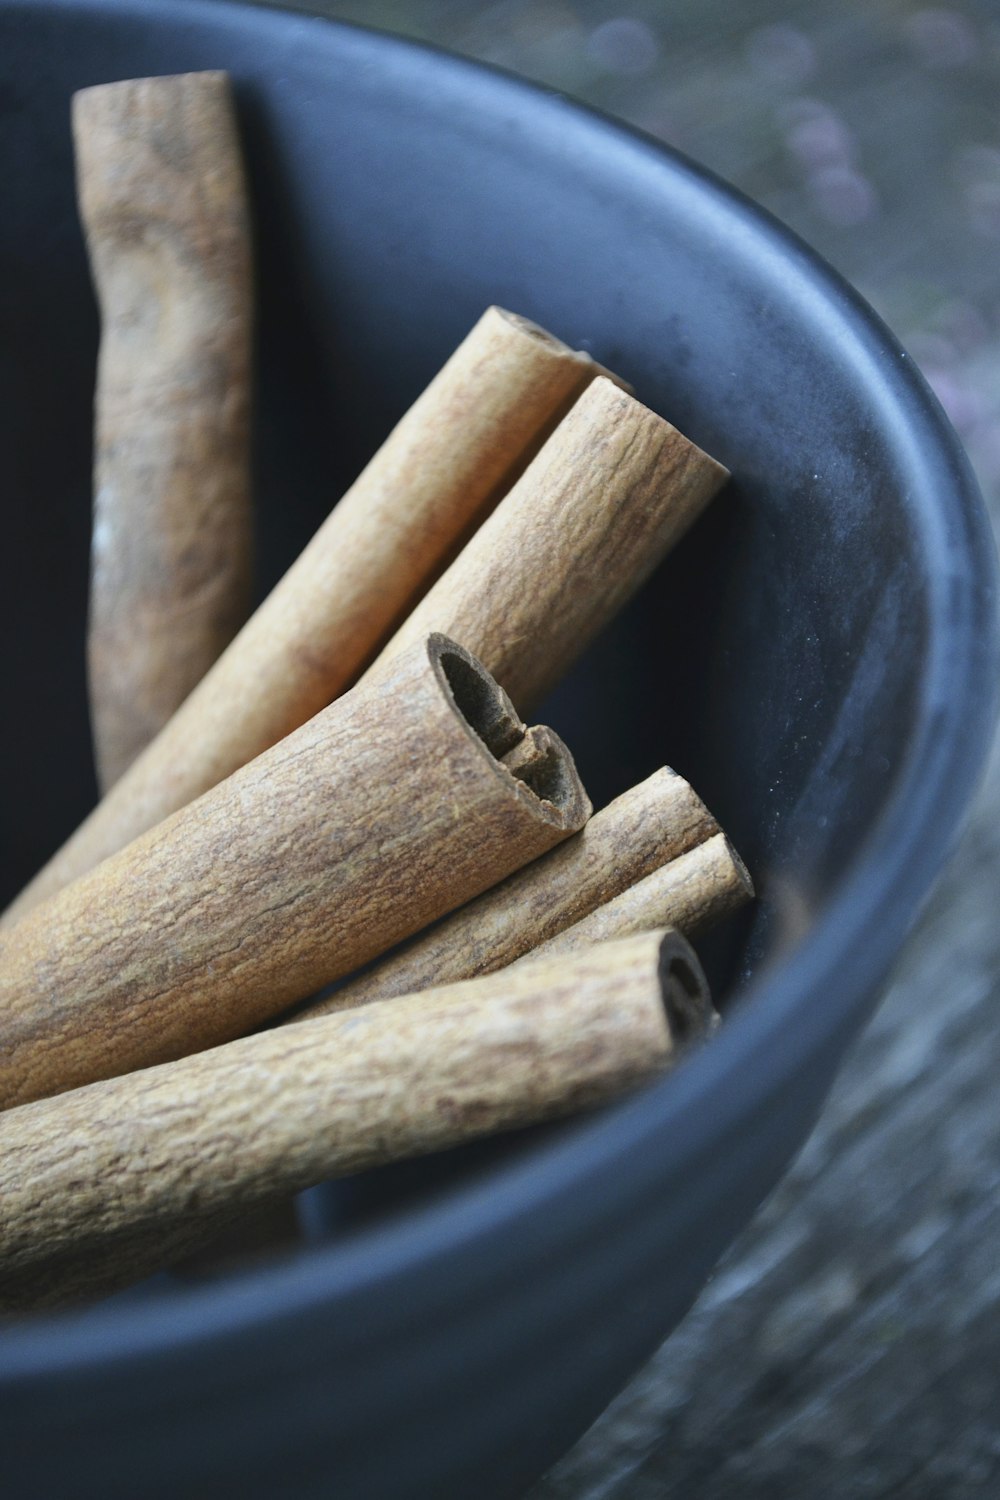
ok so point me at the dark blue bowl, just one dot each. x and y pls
(819, 659)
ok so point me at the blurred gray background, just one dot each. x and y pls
(849, 1345)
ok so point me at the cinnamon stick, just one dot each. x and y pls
(650, 824)
(164, 206)
(450, 458)
(607, 496)
(102, 1184)
(691, 893)
(382, 813)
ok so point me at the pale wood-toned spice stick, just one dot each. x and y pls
(105, 1182)
(449, 459)
(164, 205)
(691, 893)
(385, 811)
(607, 496)
(648, 825)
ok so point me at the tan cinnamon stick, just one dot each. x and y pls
(103, 1183)
(691, 893)
(650, 824)
(450, 458)
(611, 491)
(164, 206)
(382, 813)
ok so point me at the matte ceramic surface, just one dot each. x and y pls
(819, 659)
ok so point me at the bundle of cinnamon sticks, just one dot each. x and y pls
(329, 819)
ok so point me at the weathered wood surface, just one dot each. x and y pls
(849, 1344)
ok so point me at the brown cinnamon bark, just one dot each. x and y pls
(647, 826)
(606, 498)
(102, 1184)
(382, 813)
(691, 893)
(164, 206)
(453, 454)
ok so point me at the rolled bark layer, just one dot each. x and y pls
(104, 1183)
(691, 893)
(451, 457)
(382, 813)
(647, 826)
(607, 496)
(164, 206)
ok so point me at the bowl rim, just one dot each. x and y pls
(852, 942)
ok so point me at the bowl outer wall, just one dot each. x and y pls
(470, 1343)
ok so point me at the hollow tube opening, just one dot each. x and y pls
(485, 708)
(685, 997)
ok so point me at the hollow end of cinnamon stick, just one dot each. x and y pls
(687, 1001)
(539, 762)
(536, 758)
(542, 336)
(741, 879)
(102, 1184)
(645, 828)
(463, 444)
(384, 812)
(533, 331)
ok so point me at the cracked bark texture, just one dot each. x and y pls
(691, 892)
(613, 489)
(382, 813)
(450, 458)
(164, 206)
(648, 825)
(101, 1184)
